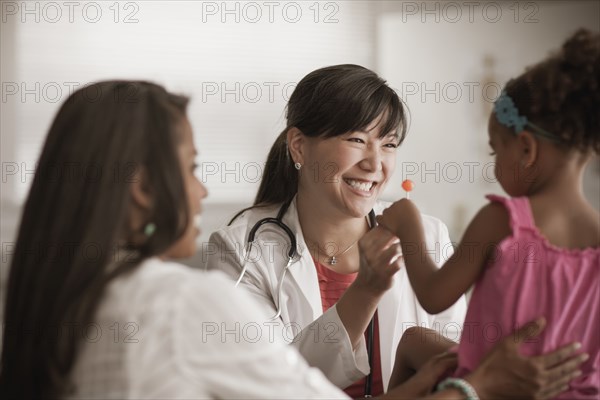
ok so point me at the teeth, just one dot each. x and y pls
(364, 186)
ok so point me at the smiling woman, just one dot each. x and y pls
(324, 174)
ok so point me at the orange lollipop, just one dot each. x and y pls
(408, 186)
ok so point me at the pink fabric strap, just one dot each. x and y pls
(519, 211)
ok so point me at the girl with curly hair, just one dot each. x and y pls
(536, 252)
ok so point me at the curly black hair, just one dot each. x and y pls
(562, 93)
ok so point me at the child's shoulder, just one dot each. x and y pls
(497, 210)
(493, 222)
(514, 211)
(587, 223)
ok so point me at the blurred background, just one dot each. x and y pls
(240, 61)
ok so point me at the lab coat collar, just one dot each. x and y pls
(303, 269)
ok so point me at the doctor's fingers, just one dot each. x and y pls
(388, 260)
(375, 245)
(376, 239)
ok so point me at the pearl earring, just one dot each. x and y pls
(298, 166)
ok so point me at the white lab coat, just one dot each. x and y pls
(321, 337)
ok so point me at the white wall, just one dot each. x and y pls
(172, 45)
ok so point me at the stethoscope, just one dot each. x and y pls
(292, 254)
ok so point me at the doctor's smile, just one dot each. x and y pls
(361, 186)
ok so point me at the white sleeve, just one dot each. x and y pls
(215, 346)
(324, 343)
(449, 322)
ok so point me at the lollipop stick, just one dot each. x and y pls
(408, 186)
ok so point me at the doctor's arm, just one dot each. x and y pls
(324, 343)
(379, 262)
(437, 289)
(336, 339)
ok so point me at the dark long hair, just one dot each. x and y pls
(76, 215)
(328, 102)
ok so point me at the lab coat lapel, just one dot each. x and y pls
(390, 326)
(303, 269)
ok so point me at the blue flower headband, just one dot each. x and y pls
(508, 115)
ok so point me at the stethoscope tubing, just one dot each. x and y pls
(292, 254)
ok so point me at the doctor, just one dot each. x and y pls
(322, 179)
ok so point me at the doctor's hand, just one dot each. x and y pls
(380, 258)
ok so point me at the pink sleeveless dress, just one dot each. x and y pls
(529, 277)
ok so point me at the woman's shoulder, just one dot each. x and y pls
(155, 283)
(153, 270)
(160, 272)
(167, 284)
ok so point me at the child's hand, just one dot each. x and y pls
(402, 218)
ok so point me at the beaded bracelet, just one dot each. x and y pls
(461, 385)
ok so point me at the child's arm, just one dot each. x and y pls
(437, 289)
